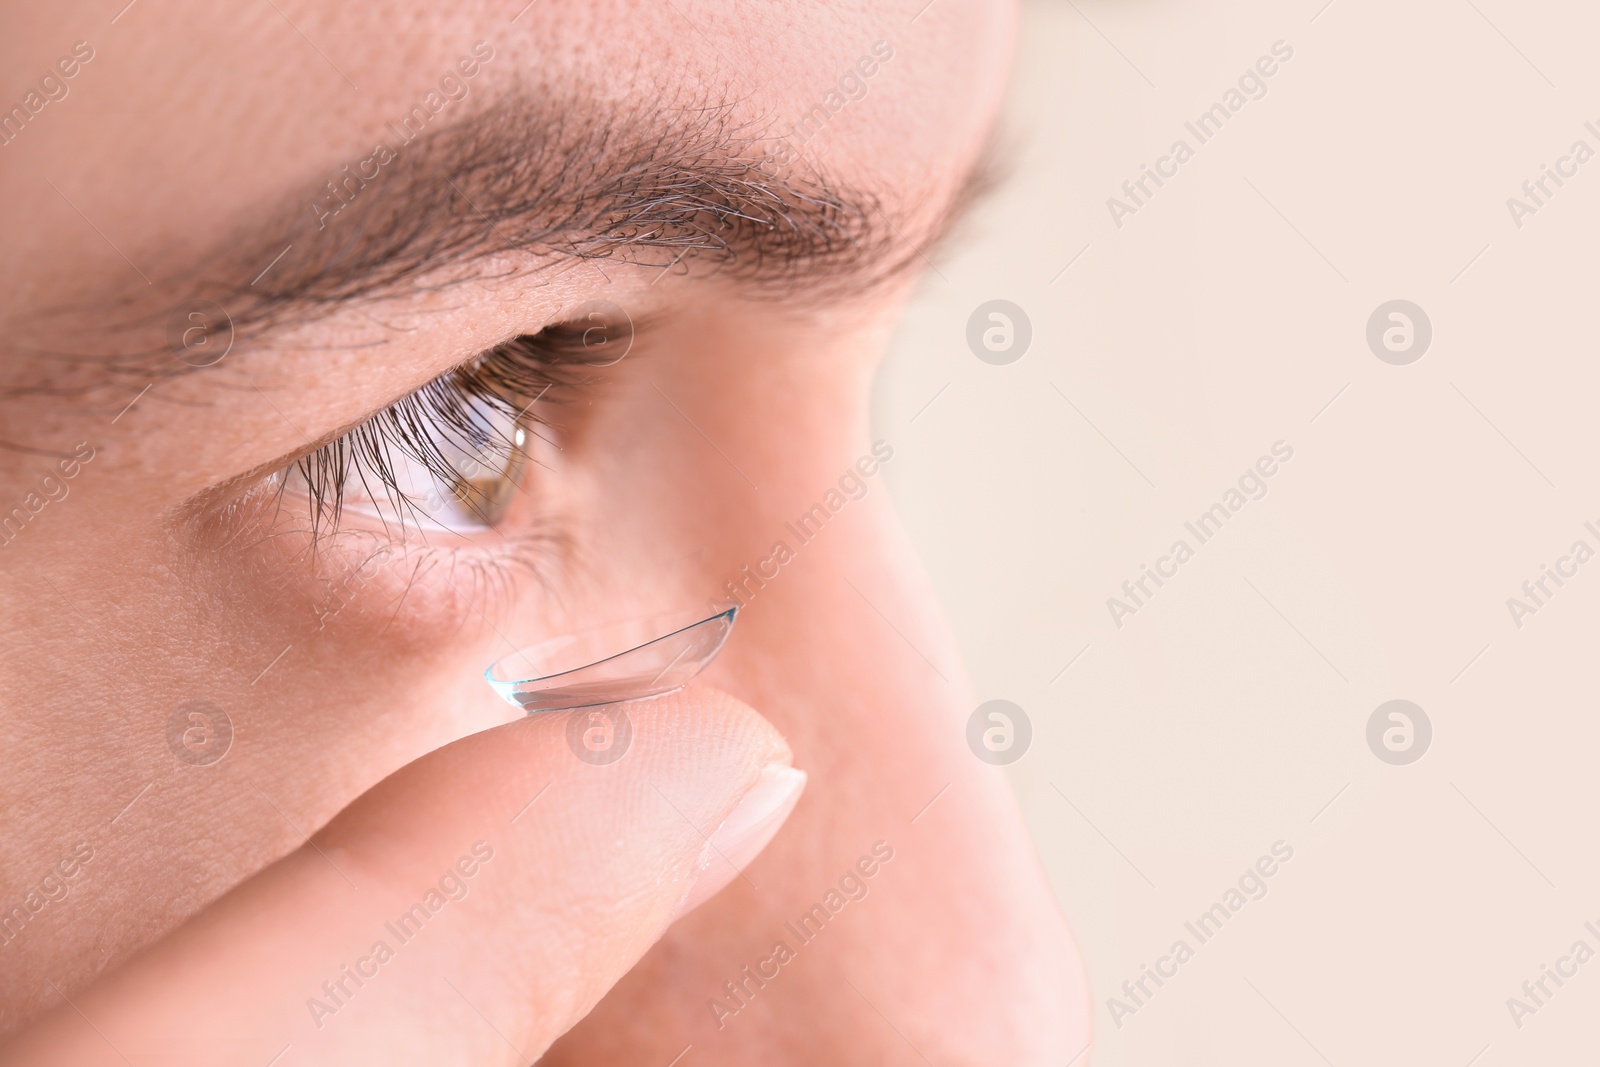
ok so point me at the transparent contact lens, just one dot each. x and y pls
(627, 661)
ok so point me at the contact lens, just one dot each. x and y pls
(628, 661)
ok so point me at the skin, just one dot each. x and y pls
(129, 597)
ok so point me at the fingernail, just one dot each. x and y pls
(744, 833)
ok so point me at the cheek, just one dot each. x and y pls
(355, 661)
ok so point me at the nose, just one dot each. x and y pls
(841, 644)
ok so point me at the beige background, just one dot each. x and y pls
(1227, 714)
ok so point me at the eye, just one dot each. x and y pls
(451, 456)
(461, 478)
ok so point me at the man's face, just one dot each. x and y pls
(646, 254)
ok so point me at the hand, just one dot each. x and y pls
(470, 908)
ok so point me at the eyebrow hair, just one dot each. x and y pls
(556, 180)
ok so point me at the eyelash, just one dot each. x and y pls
(446, 413)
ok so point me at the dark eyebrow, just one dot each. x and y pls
(572, 179)
(556, 180)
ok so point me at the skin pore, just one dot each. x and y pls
(645, 155)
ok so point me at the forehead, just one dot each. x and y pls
(191, 112)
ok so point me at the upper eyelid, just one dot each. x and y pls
(559, 336)
(220, 494)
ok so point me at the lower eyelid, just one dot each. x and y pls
(363, 584)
